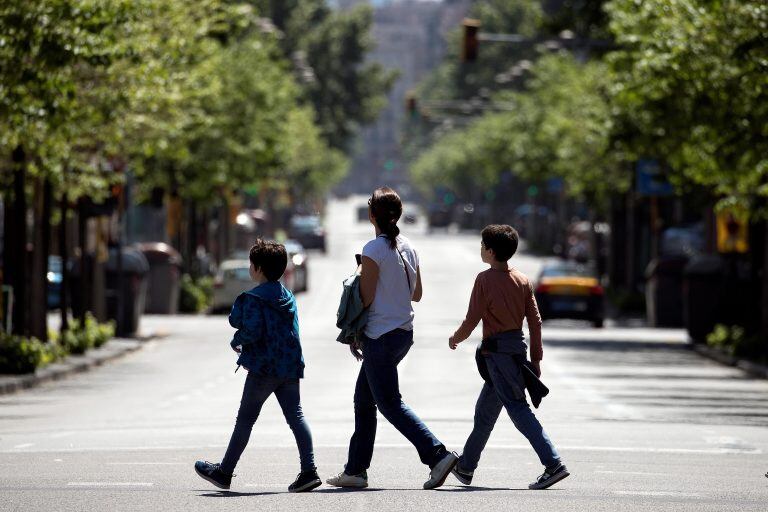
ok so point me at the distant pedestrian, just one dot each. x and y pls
(267, 339)
(502, 297)
(390, 280)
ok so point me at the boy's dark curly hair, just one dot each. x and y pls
(270, 258)
(502, 238)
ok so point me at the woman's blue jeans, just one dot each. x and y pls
(256, 391)
(378, 386)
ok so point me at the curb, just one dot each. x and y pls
(754, 369)
(111, 350)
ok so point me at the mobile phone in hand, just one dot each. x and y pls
(359, 259)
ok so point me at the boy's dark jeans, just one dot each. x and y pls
(377, 386)
(487, 410)
(256, 391)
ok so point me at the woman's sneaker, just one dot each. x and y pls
(213, 473)
(305, 482)
(550, 477)
(359, 481)
(441, 471)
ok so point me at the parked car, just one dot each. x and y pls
(308, 231)
(298, 257)
(439, 216)
(566, 289)
(54, 278)
(233, 278)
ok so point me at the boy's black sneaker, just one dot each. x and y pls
(305, 482)
(550, 477)
(213, 473)
(461, 475)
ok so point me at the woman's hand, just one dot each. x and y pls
(453, 343)
(355, 348)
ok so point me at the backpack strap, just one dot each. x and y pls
(405, 268)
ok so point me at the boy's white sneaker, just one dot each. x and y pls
(344, 480)
(441, 471)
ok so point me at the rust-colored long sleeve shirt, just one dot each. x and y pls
(502, 299)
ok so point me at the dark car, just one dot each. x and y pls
(566, 289)
(298, 257)
(54, 278)
(308, 231)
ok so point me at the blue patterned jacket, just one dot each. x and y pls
(267, 324)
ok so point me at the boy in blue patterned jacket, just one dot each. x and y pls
(267, 339)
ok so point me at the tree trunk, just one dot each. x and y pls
(85, 265)
(764, 300)
(17, 251)
(41, 249)
(64, 253)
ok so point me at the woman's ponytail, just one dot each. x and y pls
(386, 209)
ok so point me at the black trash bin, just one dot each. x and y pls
(164, 278)
(703, 295)
(664, 291)
(134, 290)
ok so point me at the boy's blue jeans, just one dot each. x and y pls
(378, 386)
(256, 391)
(487, 410)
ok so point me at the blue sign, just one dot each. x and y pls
(651, 180)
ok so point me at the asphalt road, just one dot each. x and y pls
(642, 422)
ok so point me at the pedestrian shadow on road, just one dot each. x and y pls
(233, 494)
(475, 489)
(344, 490)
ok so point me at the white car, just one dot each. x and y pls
(233, 278)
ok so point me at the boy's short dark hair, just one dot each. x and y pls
(270, 258)
(502, 238)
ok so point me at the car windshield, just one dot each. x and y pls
(305, 223)
(240, 274)
(567, 270)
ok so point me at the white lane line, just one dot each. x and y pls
(673, 494)
(147, 464)
(620, 449)
(24, 445)
(110, 484)
(642, 473)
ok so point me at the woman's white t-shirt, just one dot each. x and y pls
(391, 308)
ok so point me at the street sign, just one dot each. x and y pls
(650, 179)
(733, 231)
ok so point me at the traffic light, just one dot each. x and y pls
(471, 42)
(411, 105)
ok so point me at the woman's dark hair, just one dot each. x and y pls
(386, 208)
(502, 238)
(270, 257)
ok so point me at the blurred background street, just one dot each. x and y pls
(642, 421)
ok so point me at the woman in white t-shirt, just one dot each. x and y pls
(390, 280)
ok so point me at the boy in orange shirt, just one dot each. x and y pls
(502, 297)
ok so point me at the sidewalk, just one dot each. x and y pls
(111, 350)
(754, 369)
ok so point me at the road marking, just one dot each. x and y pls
(643, 473)
(674, 494)
(147, 464)
(110, 484)
(627, 449)
(25, 445)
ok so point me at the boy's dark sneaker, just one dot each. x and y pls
(550, 477)
(305, 482)
(462, 475)
(213, 473)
